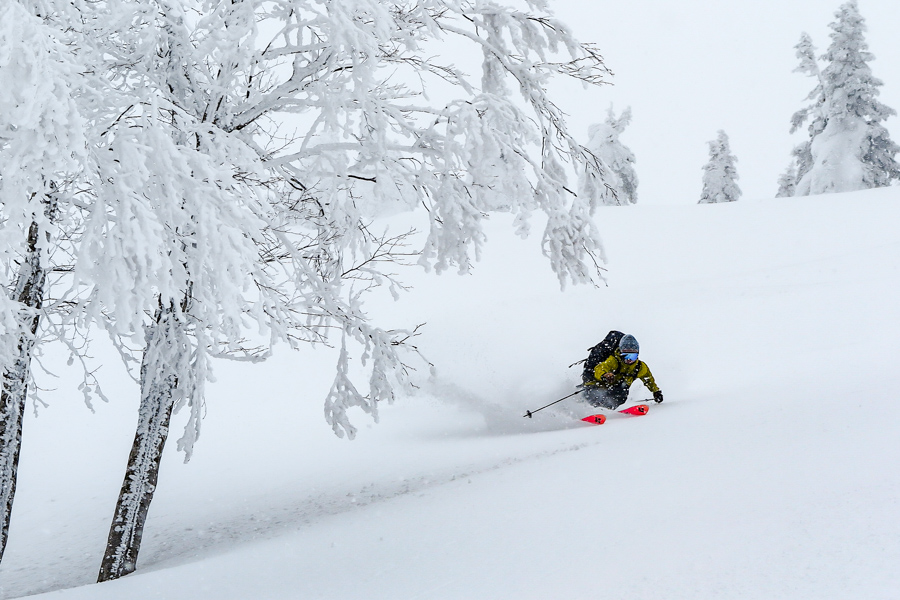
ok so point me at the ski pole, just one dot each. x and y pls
(528, 413)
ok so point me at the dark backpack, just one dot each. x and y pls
(599, 353)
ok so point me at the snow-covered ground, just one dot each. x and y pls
(770, 471)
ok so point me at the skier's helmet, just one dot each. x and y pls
(629, 344)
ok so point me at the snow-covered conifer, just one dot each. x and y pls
(720, 175)
(605, 144)
(787, 182)
(802, 155)
(848, 148)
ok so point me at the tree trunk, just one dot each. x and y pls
(29, 293)
(167, 343)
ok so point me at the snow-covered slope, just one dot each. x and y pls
(770, 471)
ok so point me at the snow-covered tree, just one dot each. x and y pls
(719, 174)
(848, 148)
(242, 143)
(787, 182)
(802, 162)
(42, 147)
(605, 144)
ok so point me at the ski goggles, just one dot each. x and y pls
(630, 357)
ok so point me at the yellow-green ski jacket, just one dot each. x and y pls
(623, 373)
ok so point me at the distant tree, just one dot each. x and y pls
(848, 148)
(720, 175)
(812, 113)
(604, 143)
(787, 183)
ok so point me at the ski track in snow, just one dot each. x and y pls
(168, 541)
(179, 546)
(285, 517)
(172, 545)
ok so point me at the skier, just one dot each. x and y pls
(614, 376)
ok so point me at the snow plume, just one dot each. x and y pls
(501, 412)
(719, 174)
(848, 147)
(497, 417)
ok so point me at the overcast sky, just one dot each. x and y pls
(692, 67)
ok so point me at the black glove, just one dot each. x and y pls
(657, 395)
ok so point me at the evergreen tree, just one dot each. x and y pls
(787, 183)
(849, 148)
(802, 153)
(618, 159)
(720, 175)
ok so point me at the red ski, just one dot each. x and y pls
(636, 410)
(595, 419)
